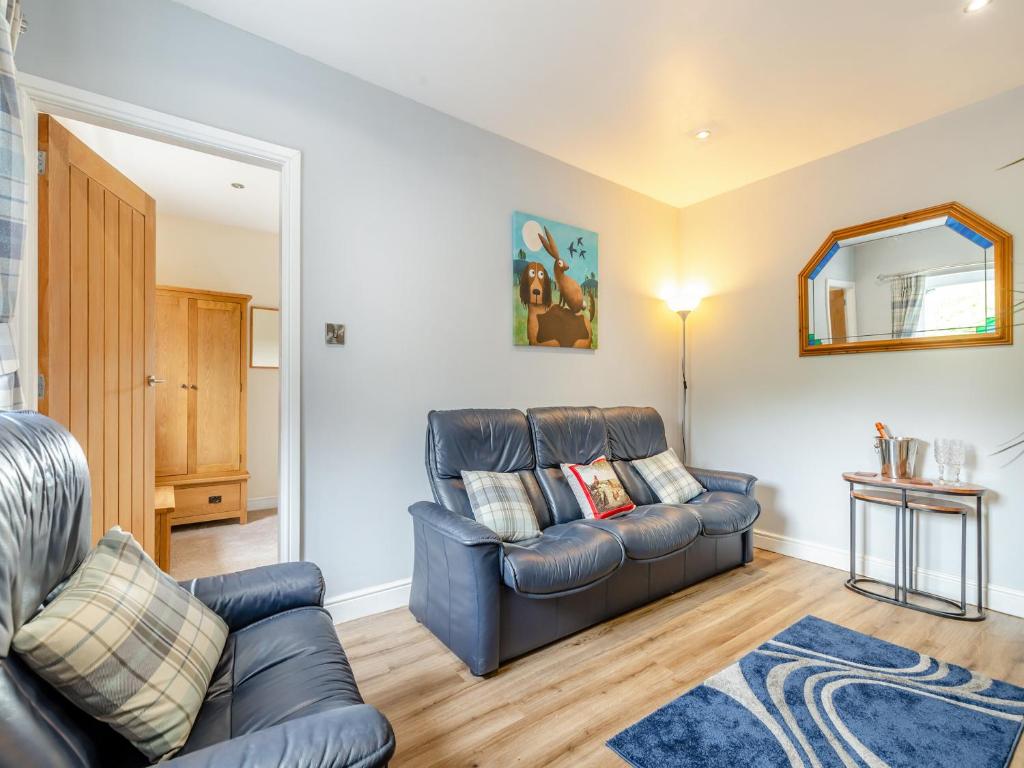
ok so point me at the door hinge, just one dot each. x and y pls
(41, 387)
(41, 162)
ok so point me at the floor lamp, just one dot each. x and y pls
(683, 304)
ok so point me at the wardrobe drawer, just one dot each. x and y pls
(194, 503)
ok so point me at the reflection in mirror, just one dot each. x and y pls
(926, 279)
(264, 338)
(914, 277)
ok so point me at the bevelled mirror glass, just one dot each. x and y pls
(938, 277)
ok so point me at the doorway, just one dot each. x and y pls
(100, 114)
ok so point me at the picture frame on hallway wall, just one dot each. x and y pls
(554, 283)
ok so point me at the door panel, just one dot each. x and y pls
(217, 349)
(96, 288)
(172, 397)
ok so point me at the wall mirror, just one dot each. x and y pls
(264, 338)
(938, 277)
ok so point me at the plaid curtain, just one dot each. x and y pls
(12, 205)
(907, 299)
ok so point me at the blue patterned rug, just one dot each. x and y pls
(821, 695)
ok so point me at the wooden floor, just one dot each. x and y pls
(557, 706)
(223, 546)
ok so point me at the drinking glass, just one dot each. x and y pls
(941, 455)
(956, 451)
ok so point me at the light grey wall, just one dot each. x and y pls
(406, 238)
(797, 422)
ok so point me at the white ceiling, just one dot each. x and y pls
(618, 87)
(188, 183)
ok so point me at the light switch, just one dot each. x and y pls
(334, 334)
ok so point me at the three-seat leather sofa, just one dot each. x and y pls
(490, 601)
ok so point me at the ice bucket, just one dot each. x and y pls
(896, 456)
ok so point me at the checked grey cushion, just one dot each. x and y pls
(668, 478)
(126, 644)
(499, 501)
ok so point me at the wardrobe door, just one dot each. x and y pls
(172, 395)
(218, 400)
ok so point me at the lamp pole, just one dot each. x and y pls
(684, 313)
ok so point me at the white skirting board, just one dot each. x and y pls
(368, 601)
(395, 594)
(261, 502)
(1002, 599)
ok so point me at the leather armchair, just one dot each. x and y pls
(283, 693)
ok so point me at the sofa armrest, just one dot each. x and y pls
(456, 583)
(350, 737)
(247, 596)
(720, 480)
(452, 525)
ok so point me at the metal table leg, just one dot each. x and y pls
(981, 600)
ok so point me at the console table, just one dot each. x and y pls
(909, 497)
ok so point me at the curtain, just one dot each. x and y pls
(907, 299)
(12, 206)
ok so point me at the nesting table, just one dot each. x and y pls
(910, 497)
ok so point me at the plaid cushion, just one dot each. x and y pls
(668, 478)
(597, 489)
(126, 644)
(499, 501)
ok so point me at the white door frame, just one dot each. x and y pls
(42, 95)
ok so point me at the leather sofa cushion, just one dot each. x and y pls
(565, 435)
(279, 669)
(634, 433)
(637, 488)
(495, 440)
(490, 440)
(724, 512)
(565, 558)
(653, 531)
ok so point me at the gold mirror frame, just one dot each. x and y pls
(1002, 258)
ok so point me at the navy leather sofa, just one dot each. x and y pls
(489, 601)
(283, 693)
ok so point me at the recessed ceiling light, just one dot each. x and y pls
(976, 5)
(702, 135)
(237, 185)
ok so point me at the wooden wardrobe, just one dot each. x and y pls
(201, 356)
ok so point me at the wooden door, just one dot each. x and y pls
(97, 233)
(217, 331)
(173, 396)
(837, 314)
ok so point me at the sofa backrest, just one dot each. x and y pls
(45, 531)
(634, 433)
(565, 435)
(479, 439)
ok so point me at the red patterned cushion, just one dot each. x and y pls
(597, 489)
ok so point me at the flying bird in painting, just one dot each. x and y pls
(579, 241)
(572, 250)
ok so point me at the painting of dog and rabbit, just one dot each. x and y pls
(554, 283)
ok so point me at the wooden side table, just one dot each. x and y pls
(910, 497)
(163, 502)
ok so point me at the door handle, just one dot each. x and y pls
(192, 386)
(184, 386)
(152, 380)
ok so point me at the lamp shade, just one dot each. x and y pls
(686, 298)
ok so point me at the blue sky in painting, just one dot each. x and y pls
(580, 265)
